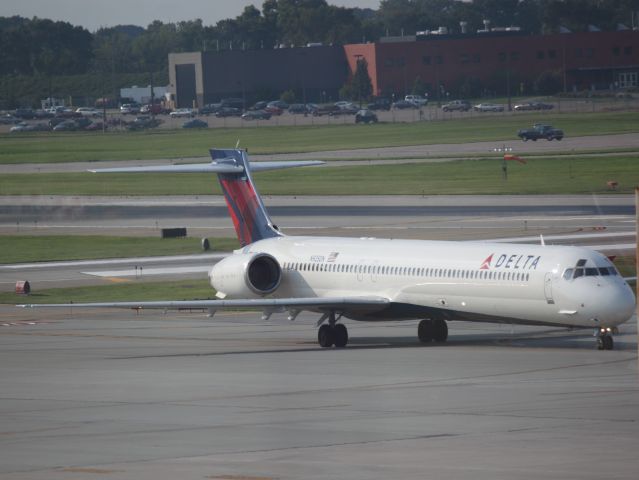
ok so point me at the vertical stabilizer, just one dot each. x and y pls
(247, 211)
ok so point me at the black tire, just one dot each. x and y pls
(325, 336)
(549, 138)
(525, 139)
(559, 139)
(534, 139)
(425, 331)
(440, 331)
(340, 335)
(608, 342)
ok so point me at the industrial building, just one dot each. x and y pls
(315, 73)
(489, 62)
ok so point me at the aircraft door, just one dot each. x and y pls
(548, 289)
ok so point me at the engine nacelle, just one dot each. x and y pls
(246, 275)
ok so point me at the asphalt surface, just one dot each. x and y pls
(151, 396)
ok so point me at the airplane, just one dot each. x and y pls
(371, 279)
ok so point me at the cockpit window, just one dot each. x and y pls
(579, 272)
(581, 263)
(592, 272)
(568, 273)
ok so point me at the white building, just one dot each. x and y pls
(142, 95)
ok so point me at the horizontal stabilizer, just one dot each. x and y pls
(213, 167)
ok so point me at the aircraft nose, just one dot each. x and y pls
(621, 305)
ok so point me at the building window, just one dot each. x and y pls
(579, 53)
(439, 59)
(426, 60)
(514, 56)
(616, 50)
(552, 53)
(590, 52)
(502, 56)
(628, 79)
(627, 50)
(540, 54)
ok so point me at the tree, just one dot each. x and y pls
(361, 85)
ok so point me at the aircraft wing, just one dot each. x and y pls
(370, 303)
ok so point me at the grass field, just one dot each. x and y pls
(548, 175)
(72, 147)
(128, 291)
(22, 248)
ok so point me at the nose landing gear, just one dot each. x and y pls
(604, 338)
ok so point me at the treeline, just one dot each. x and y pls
(47, 50)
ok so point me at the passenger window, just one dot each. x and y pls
(568, 273)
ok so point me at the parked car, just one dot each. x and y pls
(195, 123)
(273, 110)
(24, 113)
(88, 112)
(328, 109)
(66, 126)
(143, 123)
(95, 127)
(209, 108)
(279, 104)
(152, 108)
(404, 104)
(540, 130)
(20, 127)
(228, 112)
(298, 108)
(129, 109)
(261, 105)
(8, 119)
(456, 106)
(488, 107)
(365, 116)
(256, 115)
(233, 102)
(182, 112)
(380, 104)
(417, 100)
(532, 106)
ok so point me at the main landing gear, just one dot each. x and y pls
(604, 338)
(332, 333)
(432, 331)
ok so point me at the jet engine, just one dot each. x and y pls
(246, 275)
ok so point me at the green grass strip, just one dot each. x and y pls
(175, 144)
(548, 175)
(119, 292)
(23, 248)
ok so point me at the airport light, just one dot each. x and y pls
(504, 166)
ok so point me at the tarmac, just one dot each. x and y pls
(119, 395)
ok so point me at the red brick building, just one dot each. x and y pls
(500, 61)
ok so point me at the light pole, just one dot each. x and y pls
(504, 166)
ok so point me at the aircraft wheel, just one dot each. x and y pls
(440, 331)
(425, 331)
(325, 336)
(605, 342)
(340, 334)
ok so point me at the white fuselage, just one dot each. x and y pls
(454, 280)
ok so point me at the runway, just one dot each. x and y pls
(125, 396)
